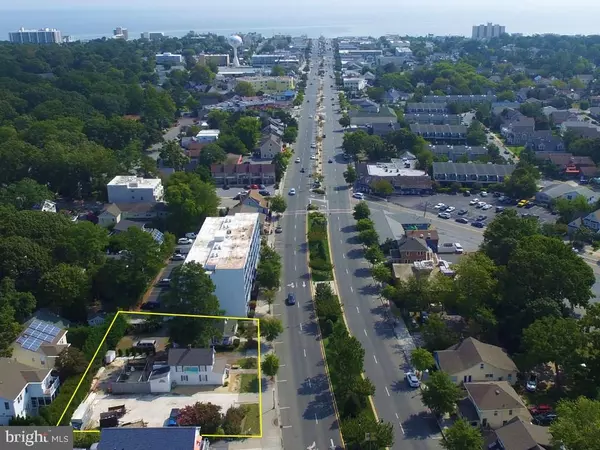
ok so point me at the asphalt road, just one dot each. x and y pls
(305, 400)
(385, 360)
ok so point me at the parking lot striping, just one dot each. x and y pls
(305, 353)
(347, 271)
(375, 359)
(286, 426)
(357, 310)
(344, 255)
(284, 407)
(365, 331)
(316, 420)
(386, 391)
(401, 428)
(351, 290)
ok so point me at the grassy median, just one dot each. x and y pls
(318, 248)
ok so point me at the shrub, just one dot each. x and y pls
(119, 352)
(253, 304)
(320, 264)
(319, 191)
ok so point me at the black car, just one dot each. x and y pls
(264, 193)
(481, 218)
(462, 220)
(302, 170)
(291, 299)
(529, 205)
(545, 419)
(467, 193)
(462, 212)
(477, 224)
(330, 161)
(499, 209)
(497, 194)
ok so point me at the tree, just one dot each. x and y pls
(172, 155)
(382, 187)
(345, 121)
(244, 89)
(278, 204)
(422, 359)
(66, 287)
(205, 415)
(381, 273)
(231, 144)
(368, 237)
(437, 335)
(190, 201)
(71, 361)
(277, 71)
(354, 142)
(522, 183)
(192, 292)
(269, 297)
(270, 365)
(268, 272)
(25, 194)
(22, 303)
(202, 74)
(502, 235)
(476, 134)
(290, 135)
(247, 129)
(350, 174)
(211, 154)
(374, 254)
(9, 330)
(462, 436)
(576, 427)
(270, 328)
(361, 211)
(570, 209)
(364, 224)
(441, 394)
(552, 339)
(232, 422)
(356, 429)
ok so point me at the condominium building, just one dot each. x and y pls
(121, 33)
(219, 60)
(269, 60)
(270, 85)
(132, 189)
(488, 31)
(152, 35)
(41, 36)
(229, 248)
(355, 84)
(169, 58)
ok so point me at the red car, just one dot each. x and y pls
(254, 186)
(540, 409)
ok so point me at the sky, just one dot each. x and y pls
(438, 17)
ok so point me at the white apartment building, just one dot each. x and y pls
(121, 33)
(152, 35)
(355, 84)
(132, 189)
(169, 58)
(229, 249)
(41, 36)
(207, 136)
(488, 31)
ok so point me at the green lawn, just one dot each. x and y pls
(516, 149)
(249, 383)
(247, 363)
(251, 421)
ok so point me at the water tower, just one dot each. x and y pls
(235, 41)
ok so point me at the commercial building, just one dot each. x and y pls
(447, 172)
(219, 60)
(228, 248)
(121, 33)
(152, 35)
(41, 36)
(132, 189)
(243, 174)
(169, 58)
(269, 60)
(488, 31)
(404, 180)
(355, 84)
(270, 85)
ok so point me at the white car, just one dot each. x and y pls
(486, 206)
(459, 248)
(313, 157)
(474, 201)
(412, 380)
(483, 194)
(297, 160)
(359, 195)
(450, 209)
(292, 191)
(178, 257)
(310, 117)
(444, 215)
(439, 205)
(313, 145)
(480, 205)
(184, 241)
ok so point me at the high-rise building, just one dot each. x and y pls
(121, 33)
(152, 35)
(488, 31)
(41, 36)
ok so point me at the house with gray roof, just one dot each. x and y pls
(519, 434)
(172, 438)
(447, 172)
(440, 133)
(454, 152)
(581, 129)
(434, 119)
(545, 143)
(495, 403)
(383, 114)
(24, 389)
(469, 99)
(426, 108)
(565, 190)
(196, 366)
(473, 360)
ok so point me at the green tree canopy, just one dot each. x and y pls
(441, 394)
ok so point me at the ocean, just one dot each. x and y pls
(375, 18)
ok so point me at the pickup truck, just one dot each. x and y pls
(449, 247)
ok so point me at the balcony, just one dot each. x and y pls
(52, 385)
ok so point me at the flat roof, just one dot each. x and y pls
(224, 242)
(394, 168)
(473, 169)
(133, 181)
(208, 133)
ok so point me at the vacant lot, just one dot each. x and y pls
(251, 422)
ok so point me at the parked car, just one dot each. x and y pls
(499, 209)
(497, 194)
(165, 282)
(444, 215)
(264, 193)
(262, 186)
(540, 409)
(313, 157)
(291, 299)
(544, 419)
(440, 206)
(359, 195)
(177, 257)
(529, 205)
(150, 305)
(330, 161)
(297, 160)
(483, 193)
(481, 218)
(531, 385)
(477, 224)
(459, 248)
(474, 201)
(278, 230)
(412, 379)
(292, 191)
(313, 145)
(462, 220)
(462, 212)
(487, 206)
(449, 209)
(254, 186)
(184, 241)
(480, 205)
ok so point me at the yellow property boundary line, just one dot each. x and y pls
(321, 345)
(197, 316)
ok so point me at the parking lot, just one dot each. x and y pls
(426, 205)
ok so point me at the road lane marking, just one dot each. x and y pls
(401, 428)
(281, 381)
(351, 290)
(278, 342)
(375, 359)
(346, 270)
(341, 241)
(305, 353)
(344, 255)
(284, 407)
(295, 268)
(286, 426)
(365, 331)
(294, 252)
(386, 391)
(357, 310)
(298, 303)
(281, 365)
(397, 416)
(316, 420)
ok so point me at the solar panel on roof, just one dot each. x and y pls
(32, 344)
(21, 339)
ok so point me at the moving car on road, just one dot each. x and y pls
(412, 380)
(359, 195)
(291, 299)
(292, 191)
(178, 257)
(165, 282)
(297, 160)
(330, 161)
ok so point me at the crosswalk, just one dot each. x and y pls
(303, 212)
